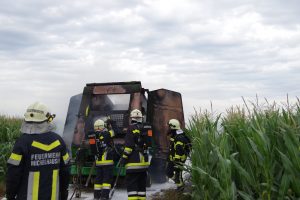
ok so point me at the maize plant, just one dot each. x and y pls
(9, 132)
(250, 153)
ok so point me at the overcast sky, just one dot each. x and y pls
(208, 50)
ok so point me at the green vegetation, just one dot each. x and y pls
(251, 153)
(9, 132)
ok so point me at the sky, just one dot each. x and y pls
(214, 52)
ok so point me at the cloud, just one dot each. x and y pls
(210, 51)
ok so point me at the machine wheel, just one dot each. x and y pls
(74, 179)
(76, 187)
(78, 194)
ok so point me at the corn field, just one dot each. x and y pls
(248, 153)
(251, 153)
(9, 132)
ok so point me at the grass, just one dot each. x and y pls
(250, 153)
(9, 132)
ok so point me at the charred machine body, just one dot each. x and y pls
(114, 101)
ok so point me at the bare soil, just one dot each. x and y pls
(171, 194)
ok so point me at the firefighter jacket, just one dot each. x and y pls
(135, 151)
(179, 146)
(38, 168)
(102, 142)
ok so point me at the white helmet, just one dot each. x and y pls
(99, 124)
(37, 112)
(174, 124)
(136, 115)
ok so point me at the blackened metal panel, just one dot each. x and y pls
(71, 119)
(84, 123)
(94, 99)
(86, 100)
(136, 101)
(163, 105)
(115, 83)
(116, 88)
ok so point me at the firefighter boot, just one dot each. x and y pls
(97, 194)
(105, 194)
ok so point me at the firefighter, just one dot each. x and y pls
(135, 156)
(103, 143)
(38, 167)
(179, 150)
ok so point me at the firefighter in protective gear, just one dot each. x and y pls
(135, 156)
(179, 150)
(101, 143)
(38, 167)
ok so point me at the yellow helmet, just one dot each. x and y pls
(174, 124)
(99, 124)
(37, 112)
(136, 115)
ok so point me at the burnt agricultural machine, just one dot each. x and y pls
(113, 102)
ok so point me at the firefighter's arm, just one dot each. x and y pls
(179, 151)
(127, 152)
(64, 172)
(129, 144)
(125, 155)
(111, 133)
(15, 165)
(112, 127)
(111, 138)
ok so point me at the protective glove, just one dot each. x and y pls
(178, 163)
(109, 121)
(146, 157)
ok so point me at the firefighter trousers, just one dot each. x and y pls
(175, 173)
(103, 181)
(136, 185)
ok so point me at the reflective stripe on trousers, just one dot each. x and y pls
(136, 198)
(34, 184)
(135, 195)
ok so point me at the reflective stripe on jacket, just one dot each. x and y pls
(38, 168)
(133, 149)
(104, 144)
(177, 146)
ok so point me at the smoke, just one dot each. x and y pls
(71, 119)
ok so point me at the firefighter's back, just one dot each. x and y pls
(37, 168)
(42, 155)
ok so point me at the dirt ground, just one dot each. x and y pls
(121, 192)
(154, 193)
(164, 191)
(173, 194)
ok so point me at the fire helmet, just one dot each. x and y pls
(136, 115)
(174, 124)
(37, 112)
(99, 124)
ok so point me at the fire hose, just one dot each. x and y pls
(112, 191)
